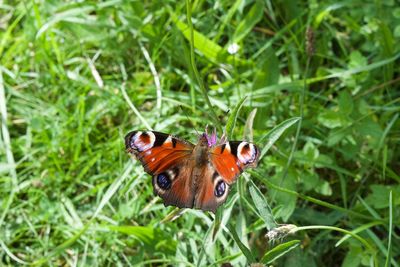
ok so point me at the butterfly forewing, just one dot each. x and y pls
(157, 151)
(231, 158)
(167, 158)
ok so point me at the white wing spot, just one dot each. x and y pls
(228, 147)
(168, 140)
(248, 157)
(153, 159)
(142, 146)
(232, 169)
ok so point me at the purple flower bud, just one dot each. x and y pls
(211, 139)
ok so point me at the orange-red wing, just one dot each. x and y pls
(157, 151)
(231, 158)
(225, 164)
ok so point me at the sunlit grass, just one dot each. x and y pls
(75, 77)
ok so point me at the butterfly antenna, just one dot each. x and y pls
(184, 112)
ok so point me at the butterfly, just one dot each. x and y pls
(191, 176)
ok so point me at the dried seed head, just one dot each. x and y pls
(310, 41)
(281, 232)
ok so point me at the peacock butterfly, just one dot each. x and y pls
(191, 176)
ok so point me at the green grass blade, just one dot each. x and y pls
(134, 109)
(358, 230)
(386, 131)
(363, 241)
(217, 223)
(389, 247)
(152, 238)
(8, 151)
(11, 255)
(250, 20)
(230, 124)
(311, 199)
(227, 18)
(194, 66)
(69, 14)
(278, 251)
(105, 199)
(245, 250)
(381, 246)
(248, 127)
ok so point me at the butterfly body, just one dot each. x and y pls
(187, 175)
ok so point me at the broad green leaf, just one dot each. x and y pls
(210, 49)
(323, 188)
(310, 151)
(279, 251)
(152, 238)
(379, 196)
(267, 69)
(310, 180)
(357, 60)
(345, 103)
(370, 131)
(353, 257)
(286, 204)
(330, 119)
(250, 20)
(275, 133)
(262, 206)
(336, 136)
(397, 31)
(267, 74)
(312, 216)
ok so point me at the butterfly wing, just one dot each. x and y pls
(167, 159)
(227, 162)
(180, 178)
(232, 158)
(212, 190)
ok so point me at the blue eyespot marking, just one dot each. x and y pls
(163, 181)
(220, 189)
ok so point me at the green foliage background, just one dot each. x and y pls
(319, 84)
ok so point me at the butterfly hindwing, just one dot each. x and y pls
(213, 190)
(174, 185)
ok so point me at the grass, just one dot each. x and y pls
(316, 85)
